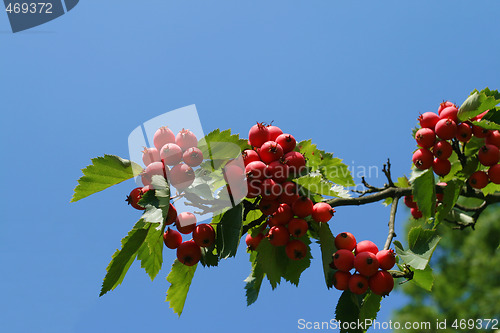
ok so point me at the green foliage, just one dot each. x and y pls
(123, 258)
(254, 280)
(180, 278)
(327, 245)
(151, 252)
(424, 191)
(423, 278)
(352, 308)
(422, 243)
(214, 146)
(104, 172)
(478, 102)
(450, 197)
(369, 308)
(228, 230)
(317, 184)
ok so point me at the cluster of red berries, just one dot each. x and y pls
(268, 167)
(435, 134)
(371, 266)
(415, 212)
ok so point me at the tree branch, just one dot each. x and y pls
(392, 219)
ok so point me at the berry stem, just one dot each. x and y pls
(392, 219)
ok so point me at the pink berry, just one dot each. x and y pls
(171, 154)
(193, 157)
(150, 155)
(186, 139)
(163, 136)
(181, 176)
(155, 168)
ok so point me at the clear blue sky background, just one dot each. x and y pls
(352, 76)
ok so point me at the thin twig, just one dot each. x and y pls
(387, 172)
(392, 219)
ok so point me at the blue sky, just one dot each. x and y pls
(353, 76)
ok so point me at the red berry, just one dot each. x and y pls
(250, 156)
(289, 193)
(172, 238)
(253, 188)
(416, 213)
(270, 189)
(425, 137)
(409, 202)
(366, 263)
(441, 167)
(258, 134)
(134, 197)
(428, 120)
(186, 139)
(422, 159)
(189, 253)
(268, 207)
(255, 170)
(494, 173)
(358, 284)
(296, 249)
(449, 112)
(381, 283)
(234, 174)
(181, 176)
(444, 105)
(155, 168)
(253, 242)
(322, 212)
(278, 171)
(479, 132)
(274, 132)
(478, 179)
(488, 155)
(303, 207)
(341, 280)
(278, 235)
(297, 227)
(283, 215)
(346, 241)
(163, 136)
(270, 151)
(343, 260)
(204, 235)
(185, 222)
(296, 162)
(442, 150)
(287, 142)
(150, 155)
(193, 157)
(366, 246)
(446, 129)
(493, 139)
(464, 132)
(386, 259)
(171, 215)
(171, 154)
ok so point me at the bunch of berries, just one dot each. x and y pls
(439, 131)
(269, 166)
(415, 212)
(370, 266)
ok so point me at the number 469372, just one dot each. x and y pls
(31, 8)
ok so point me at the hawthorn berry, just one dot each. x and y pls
(358, 284)
(423, 159)
(278, 171)
(278, 235)
(171, 215)
(287, 142)
(134, 197)
(163, 136)
(253, 242)
(250, 156)
(193, 157)
(493, 139)
(171, 154)
(204, 235)
(233, 174)
(346, 241)
(322, 212)
(478, 179)
(416, 213)
(253, 188)
(155, 168)
(442, 150)
(446, 129)
(268, 207)
(366, 246)
(428, 120)
(386, 259)
(449, 112)
(343, 260)
(366, 263)
(296, 249)
(409, 201)
(441, 167)
(288, 193)
(381, 283)
(255, 170)
(258, 134)
(464, 132)
(341, 280)
(181, 176)
(282, 215)
(186, 139)
(494, 173)
(488, 155)
(479, 132)
(425, 137)
(189, 253)
(150, 155)
(270, 189)
(172, 238)
(274, 132)
(303, 207)
(185, 222)
(270, 151)
(297, 227)
(444, 105)
(296, 162)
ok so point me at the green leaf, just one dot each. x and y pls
(180, 278)
(347, 310)
(208, 257)
(491, 188)
(102, 173)
(450, 197)
(151, 252)
(316, 184)
(228, 230)
(423, 278)
(369, 309)
(422, 243)
(272, 261)
(477, 103)
(122, 259)
(220, 147)
(402, 182)
(294, 268)
(327, 245)
(424, 191)
(254, 280)
(486, 124)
